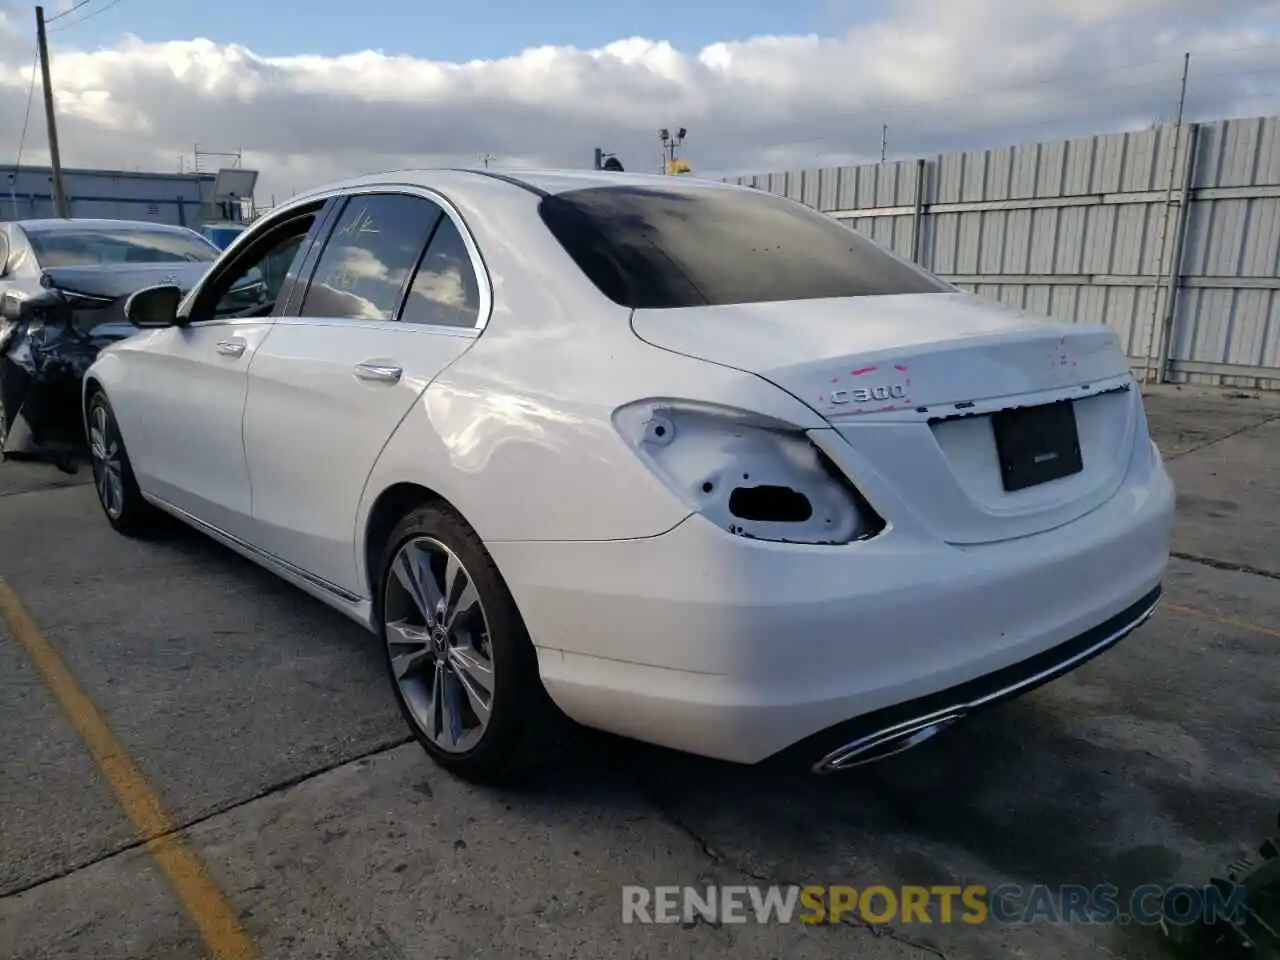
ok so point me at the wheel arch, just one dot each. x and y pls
(92, 385)
(387, 510)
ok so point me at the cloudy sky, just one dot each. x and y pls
(328, 89)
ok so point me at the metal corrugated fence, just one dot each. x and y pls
(1089, 230)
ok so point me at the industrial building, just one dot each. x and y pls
(184, 199)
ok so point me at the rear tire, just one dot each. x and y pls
(458, 655)
(113, 479)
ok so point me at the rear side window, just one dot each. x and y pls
(367, 260)
(444, 290)
(685, 246)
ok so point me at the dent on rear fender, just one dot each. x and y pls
(517, 433)
(519, 468)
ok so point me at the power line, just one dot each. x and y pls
(72, 9)
(1005, 87)
(22, 140)
(860, 151)
(1038, 118)
(88, 16)
(26, 120)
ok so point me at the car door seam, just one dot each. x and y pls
(244, 411)
(357, 540)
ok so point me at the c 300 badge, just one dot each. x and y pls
(868, 394)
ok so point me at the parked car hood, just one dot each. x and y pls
(122, 279)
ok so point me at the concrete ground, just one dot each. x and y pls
(263, 723)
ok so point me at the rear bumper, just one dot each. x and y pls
(737, 649)
(883, 733)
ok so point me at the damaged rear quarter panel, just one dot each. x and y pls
(518, 434)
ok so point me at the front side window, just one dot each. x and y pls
(252, 283)
(367, 261)
(689, 246)
(65, 247)
(444, 291)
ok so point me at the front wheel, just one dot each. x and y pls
(113, 478)
(460, 661)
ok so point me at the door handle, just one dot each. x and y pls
(380, 372)
(231, 348)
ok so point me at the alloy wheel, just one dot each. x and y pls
(437, 636)
(104, 451)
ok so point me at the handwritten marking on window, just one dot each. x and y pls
(363, 223)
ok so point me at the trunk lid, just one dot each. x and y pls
(916, 386)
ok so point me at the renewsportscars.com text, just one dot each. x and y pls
(1147, 905)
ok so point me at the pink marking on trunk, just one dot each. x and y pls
(822, 399)
(835, 379)
(861, 370)
(887, 409)
(900, 366)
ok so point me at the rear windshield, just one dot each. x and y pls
(685, 246)
(64, 247)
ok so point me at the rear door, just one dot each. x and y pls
(397, 293)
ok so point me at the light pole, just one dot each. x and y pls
(669, 144)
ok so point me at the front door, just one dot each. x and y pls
(190, 452)
(393, 300)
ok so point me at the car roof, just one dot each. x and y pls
(537, 180)
(94, 224)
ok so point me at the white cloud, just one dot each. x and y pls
(943, 76)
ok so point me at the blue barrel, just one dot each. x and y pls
(221, 234)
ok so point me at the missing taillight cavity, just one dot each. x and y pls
(770, 504)
(751, 475)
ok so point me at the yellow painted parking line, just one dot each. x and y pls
(223, 934)
(1225, 621)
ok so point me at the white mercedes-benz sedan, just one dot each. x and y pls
(679, 460)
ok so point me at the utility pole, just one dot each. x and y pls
(55, 160)
(1154, 350)
(485, 158)
(1182, 94)
(884, 142)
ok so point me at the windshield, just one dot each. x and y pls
(689, 246)
(92, 248)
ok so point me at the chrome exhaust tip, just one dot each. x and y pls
(887, 742)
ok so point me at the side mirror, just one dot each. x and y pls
(16, 308)
(154, 307)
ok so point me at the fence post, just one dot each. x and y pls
(1174, 280)
(918, 213)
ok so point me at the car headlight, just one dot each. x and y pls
(752, 475)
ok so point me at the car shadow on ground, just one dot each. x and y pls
(1010, 796)
(1018, 794)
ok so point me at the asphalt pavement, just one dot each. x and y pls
(238, 736)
